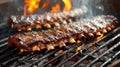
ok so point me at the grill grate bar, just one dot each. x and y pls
(44, 56)
(10, 60)
(3, 44)
(63, 53)
(113, 47)
(106, 43)
(23, 60)
(3, 40)
(97, 42)
(79, 52)
(111, 34)
(87, 47)
(5, 49)
(8, 53)
(27, 57)
(67, 59)
(110, 59)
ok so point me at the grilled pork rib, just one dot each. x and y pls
(45, 21)
(59, 36)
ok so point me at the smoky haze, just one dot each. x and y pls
(94, 7)
(10, 8)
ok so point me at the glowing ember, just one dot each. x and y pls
(78, 41)
(97, 38)
(79, 48)
(94, 47)
(55, 8)
(21, 50)
(68, 5)
(30, 6)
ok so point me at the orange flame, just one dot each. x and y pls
(30, 6)
(56, 8)
(45, 4)
(68, 5)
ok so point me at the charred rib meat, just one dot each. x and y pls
(45, 21)
(59, 36)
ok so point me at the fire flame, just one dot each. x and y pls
(45, 4)
(68, 5)
(30, 6)
(55, 8)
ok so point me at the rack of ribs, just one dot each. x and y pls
(61, 36)
(45, 21)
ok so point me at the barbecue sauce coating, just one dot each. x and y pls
(59, 36)
(45, 21)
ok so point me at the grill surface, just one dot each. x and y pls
(106, 51)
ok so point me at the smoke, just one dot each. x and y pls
(99, 7)
(86, 3)
(10, 8)
(95, 7)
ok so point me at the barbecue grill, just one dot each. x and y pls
(100, 53)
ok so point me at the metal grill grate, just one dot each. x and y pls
(106, 51)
